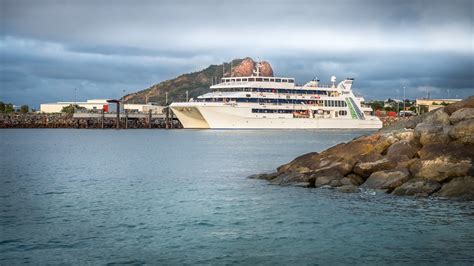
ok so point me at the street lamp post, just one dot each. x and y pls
(404, 97)
(398, 101)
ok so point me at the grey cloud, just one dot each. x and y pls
(48, 48)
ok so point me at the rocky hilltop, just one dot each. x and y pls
(431, 154)
(196, 83)
(246, 67)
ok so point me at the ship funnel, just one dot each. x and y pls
(333, 80)
(315, 82)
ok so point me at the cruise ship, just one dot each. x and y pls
(258, 102)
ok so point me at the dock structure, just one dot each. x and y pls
(117, 102)
(127, 120)
(119, 115)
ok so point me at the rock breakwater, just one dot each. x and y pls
(429, 155)
(30, 120)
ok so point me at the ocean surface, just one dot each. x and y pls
(182, 197)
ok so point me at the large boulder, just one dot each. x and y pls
(459, 188)
(440, 168)
(467, 103)
(265, 176)
(407, 135)
(348, 189)
(407, 148)
(438, 117)
(463, 131)
(303, 163)
(335, 166)
(418, 187)
(363, 145)
(369, 157)
(290, 178)
(365, 169)
(313, 163)
(328, 180)
(345, 153)
(387, 179)
(352, 179)
(404, 163)
(461, 115)
(429, 133)
(384, 143)
(453, 151)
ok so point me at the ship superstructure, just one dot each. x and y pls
(276, 103)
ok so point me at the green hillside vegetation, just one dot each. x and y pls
(195, 83)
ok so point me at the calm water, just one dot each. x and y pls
(181, 197)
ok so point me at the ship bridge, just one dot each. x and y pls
(255, 82)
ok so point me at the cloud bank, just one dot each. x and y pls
(49, 48)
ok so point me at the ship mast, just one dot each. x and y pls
(257, 71)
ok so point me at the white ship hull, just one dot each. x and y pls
(233, 116)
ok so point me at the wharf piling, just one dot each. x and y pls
(102, 120)
(118, 116)
(171, 119)
(126, 119)
(149, 119)
(167, 118)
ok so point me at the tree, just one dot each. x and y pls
(2, 107)
(70, 109)
(24, 109)
(376, 105)
(9, 108)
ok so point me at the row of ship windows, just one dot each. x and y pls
(319, 92)
(327, 103)
(258, 79)
(289, 111)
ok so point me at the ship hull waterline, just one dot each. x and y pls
(226, 117)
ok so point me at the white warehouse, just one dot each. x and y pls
(95, 104)
(156, 109)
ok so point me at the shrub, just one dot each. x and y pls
(24, 109)
(70, 109)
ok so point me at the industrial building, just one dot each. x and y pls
(101, 104)
(427, 105)
(95, 104)
(139, 108)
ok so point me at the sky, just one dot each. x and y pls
(55, 50)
